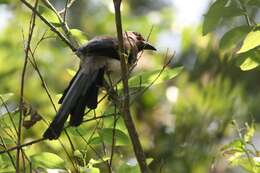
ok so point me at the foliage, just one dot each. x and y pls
(248, 54)
(182, 114)
(242, 152)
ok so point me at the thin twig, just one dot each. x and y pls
(126, 102)
(41, 139)
(9, 114)
(51, 26)
(8, 153)
(247, 18)
(65, 10)
(68, 6)
(113, 137)
(31, 29)
(64, 24)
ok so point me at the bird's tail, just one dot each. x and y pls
(74, 100)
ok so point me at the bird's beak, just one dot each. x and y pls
(148, 46)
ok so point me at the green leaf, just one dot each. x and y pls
(231, 38)
(6, 141)
(248, 64)
(249, 60)
(94, 161)
(146, 78)
(6, 96)
(7, 169)
(250, 131)
(5, 164)
(246, 163)
(125, 167)
(232, 11)
(79, 35)
(96, 140)
(4, 1)
(47, 160)
(236, 144)
(71, 72)
(251, 41)
(213, 16)
(107, 135)
(89, 170)
(49, 15)
(78, 131)
(254, 3)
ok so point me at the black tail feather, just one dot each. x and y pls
(80, 84)
(90, 99)
(68, 87)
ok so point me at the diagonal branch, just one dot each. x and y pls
(60, 35)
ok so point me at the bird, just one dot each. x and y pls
(98, 56)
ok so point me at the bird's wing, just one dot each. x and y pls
(101, 46)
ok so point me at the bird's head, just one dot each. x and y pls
(139, 40)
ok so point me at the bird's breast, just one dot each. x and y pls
(113, 65)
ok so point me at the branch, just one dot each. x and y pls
(125, 108)
(64, 25)
(19, 134)
(60, 35)
(42, 139)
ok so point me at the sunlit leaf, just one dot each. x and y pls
(251, 41)
(146, 78)
(249, 64)
(49, 15)
(249, 60)
(47, 160)
(71, 72)
(89, 170)
(6, 97)
(120, 137)
(149, 160)
(78, 154)
(250, 131)
(246, 163)
(213, 16)
(231, 38)
(5, 164)
(6, 141)
(129, 168)
(235, 144)
(94, 161)
(7, 169)
(79, 35)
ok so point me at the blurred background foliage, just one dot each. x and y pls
(182, 123)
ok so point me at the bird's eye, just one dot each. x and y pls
(138, 36)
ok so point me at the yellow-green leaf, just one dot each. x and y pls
(249, 60)
(146, 78)
(248, 64)
(120, 137)
(6, 96)
(47, 160)
(49, 15)
(79, 35)
(71, 72)
(251, 41)
(231, 38)
(213, 16)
